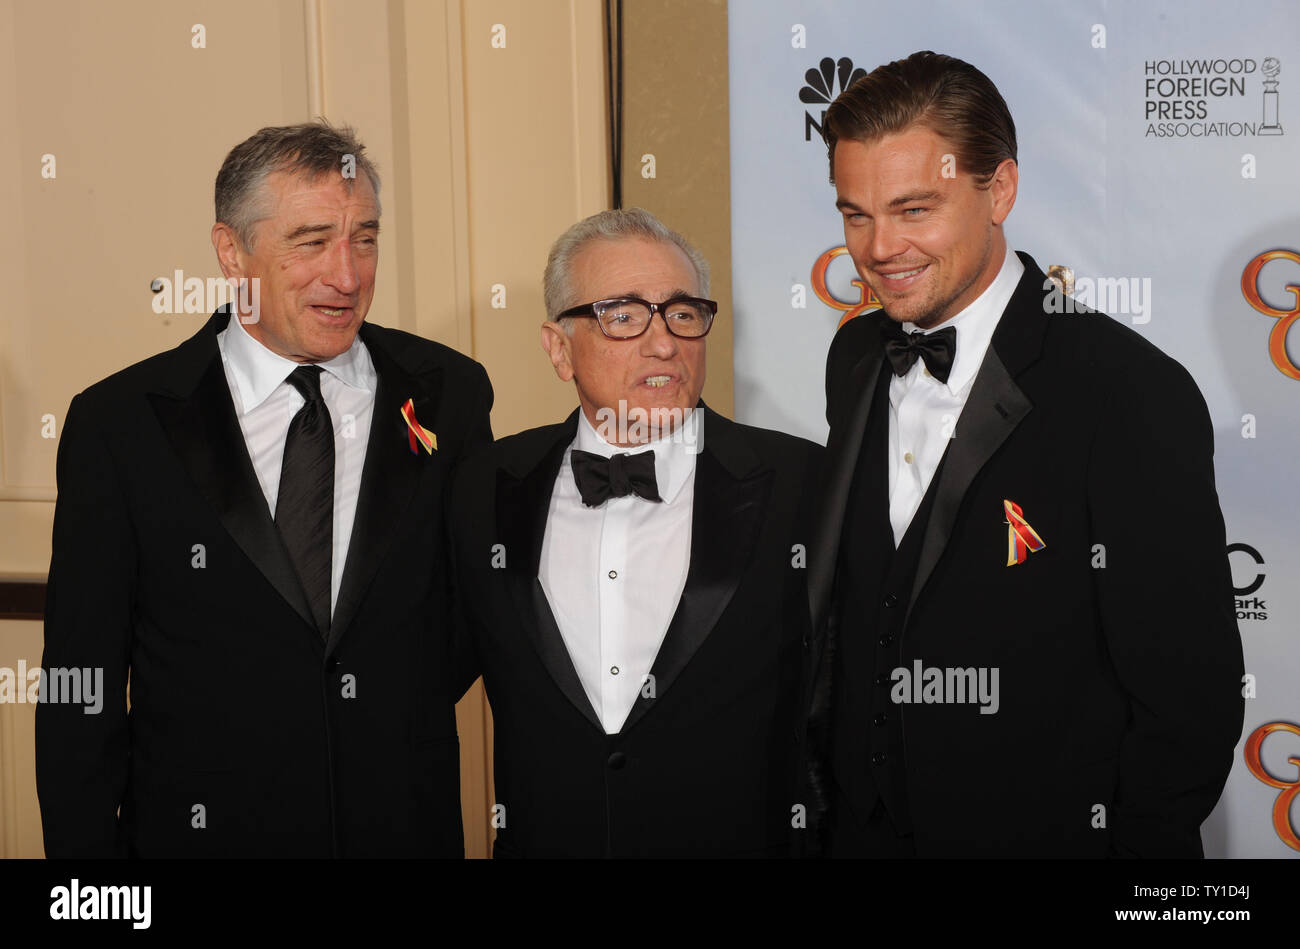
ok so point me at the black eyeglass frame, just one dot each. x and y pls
(597, 309)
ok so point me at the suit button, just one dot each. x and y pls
(880, 719)
(882, 679)
(616, 761)
(878, 758)
(886, 640)
(332, 664)
(891, 601)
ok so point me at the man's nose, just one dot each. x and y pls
(886, 241)
(657, 341)
(341, 274)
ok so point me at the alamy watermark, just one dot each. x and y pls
(202, 296)
(75, 901)
(56, 686)
(637, 426)
(1115, 296)
(932, 685)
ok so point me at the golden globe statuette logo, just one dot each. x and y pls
(1270, 69)
(1289, 789)
(867, 300)
(1250, 290)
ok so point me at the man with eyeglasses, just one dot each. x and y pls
(633, 579)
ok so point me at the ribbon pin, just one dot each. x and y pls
(1021, 538)
(418, 434)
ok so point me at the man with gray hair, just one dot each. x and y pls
(249, 529)
(633, 579)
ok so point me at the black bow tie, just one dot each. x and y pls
(935, 349)
(600, 478)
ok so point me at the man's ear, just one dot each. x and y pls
(559, 346)
(1002, 188)
(230, 254)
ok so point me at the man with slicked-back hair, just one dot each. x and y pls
(1025, 635)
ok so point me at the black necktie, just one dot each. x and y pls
(304, 508)
(600, 478)
(935, 349)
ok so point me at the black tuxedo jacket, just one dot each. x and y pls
(248, 733)
(708, 765)
(1119, 659)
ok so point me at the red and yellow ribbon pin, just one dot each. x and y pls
(418, 434)
(1021, 538)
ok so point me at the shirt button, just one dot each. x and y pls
(891, 600)
(886, 640)
(908, 457)
(878, 758)
(613, 670)
(880, 719)
(613, 574)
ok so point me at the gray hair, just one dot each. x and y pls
(616, 225)
(309, 150)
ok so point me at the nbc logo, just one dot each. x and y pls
(821, 90)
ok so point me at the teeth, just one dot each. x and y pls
(904, 275)
(329, 312)
(658, 381)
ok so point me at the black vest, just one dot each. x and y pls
(873, 587)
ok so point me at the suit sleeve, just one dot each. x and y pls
(1165, 598)
(83, 756)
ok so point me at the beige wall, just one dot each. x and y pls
(487, 153)
(20, 819)
(675, 108)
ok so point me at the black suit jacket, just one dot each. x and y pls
(248, 734)
(707, 767)
(1119, 659)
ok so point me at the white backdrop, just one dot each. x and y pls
(1128, 169)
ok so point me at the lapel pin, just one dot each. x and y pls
(417, 433)
(1021, 538)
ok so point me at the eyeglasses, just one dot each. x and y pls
(629, 317)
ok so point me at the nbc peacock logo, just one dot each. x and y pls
(821, 90)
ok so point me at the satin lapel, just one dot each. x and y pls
(731, 492)
(205, 434)
(523, 498)
(995, 406)
(842, 450)
(389, 479)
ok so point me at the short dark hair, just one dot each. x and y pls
(942, 93)
(310, 149)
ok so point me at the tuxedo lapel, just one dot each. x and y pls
(995, 406)
(389, 478)
(199, 421)
(842, 449)
(731, 491)
(523, 497)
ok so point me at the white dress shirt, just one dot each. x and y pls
(924, 412)
(265, 403)
(614, 574)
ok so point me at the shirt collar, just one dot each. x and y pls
(674, 453)
(976, 323)
(258, 371)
